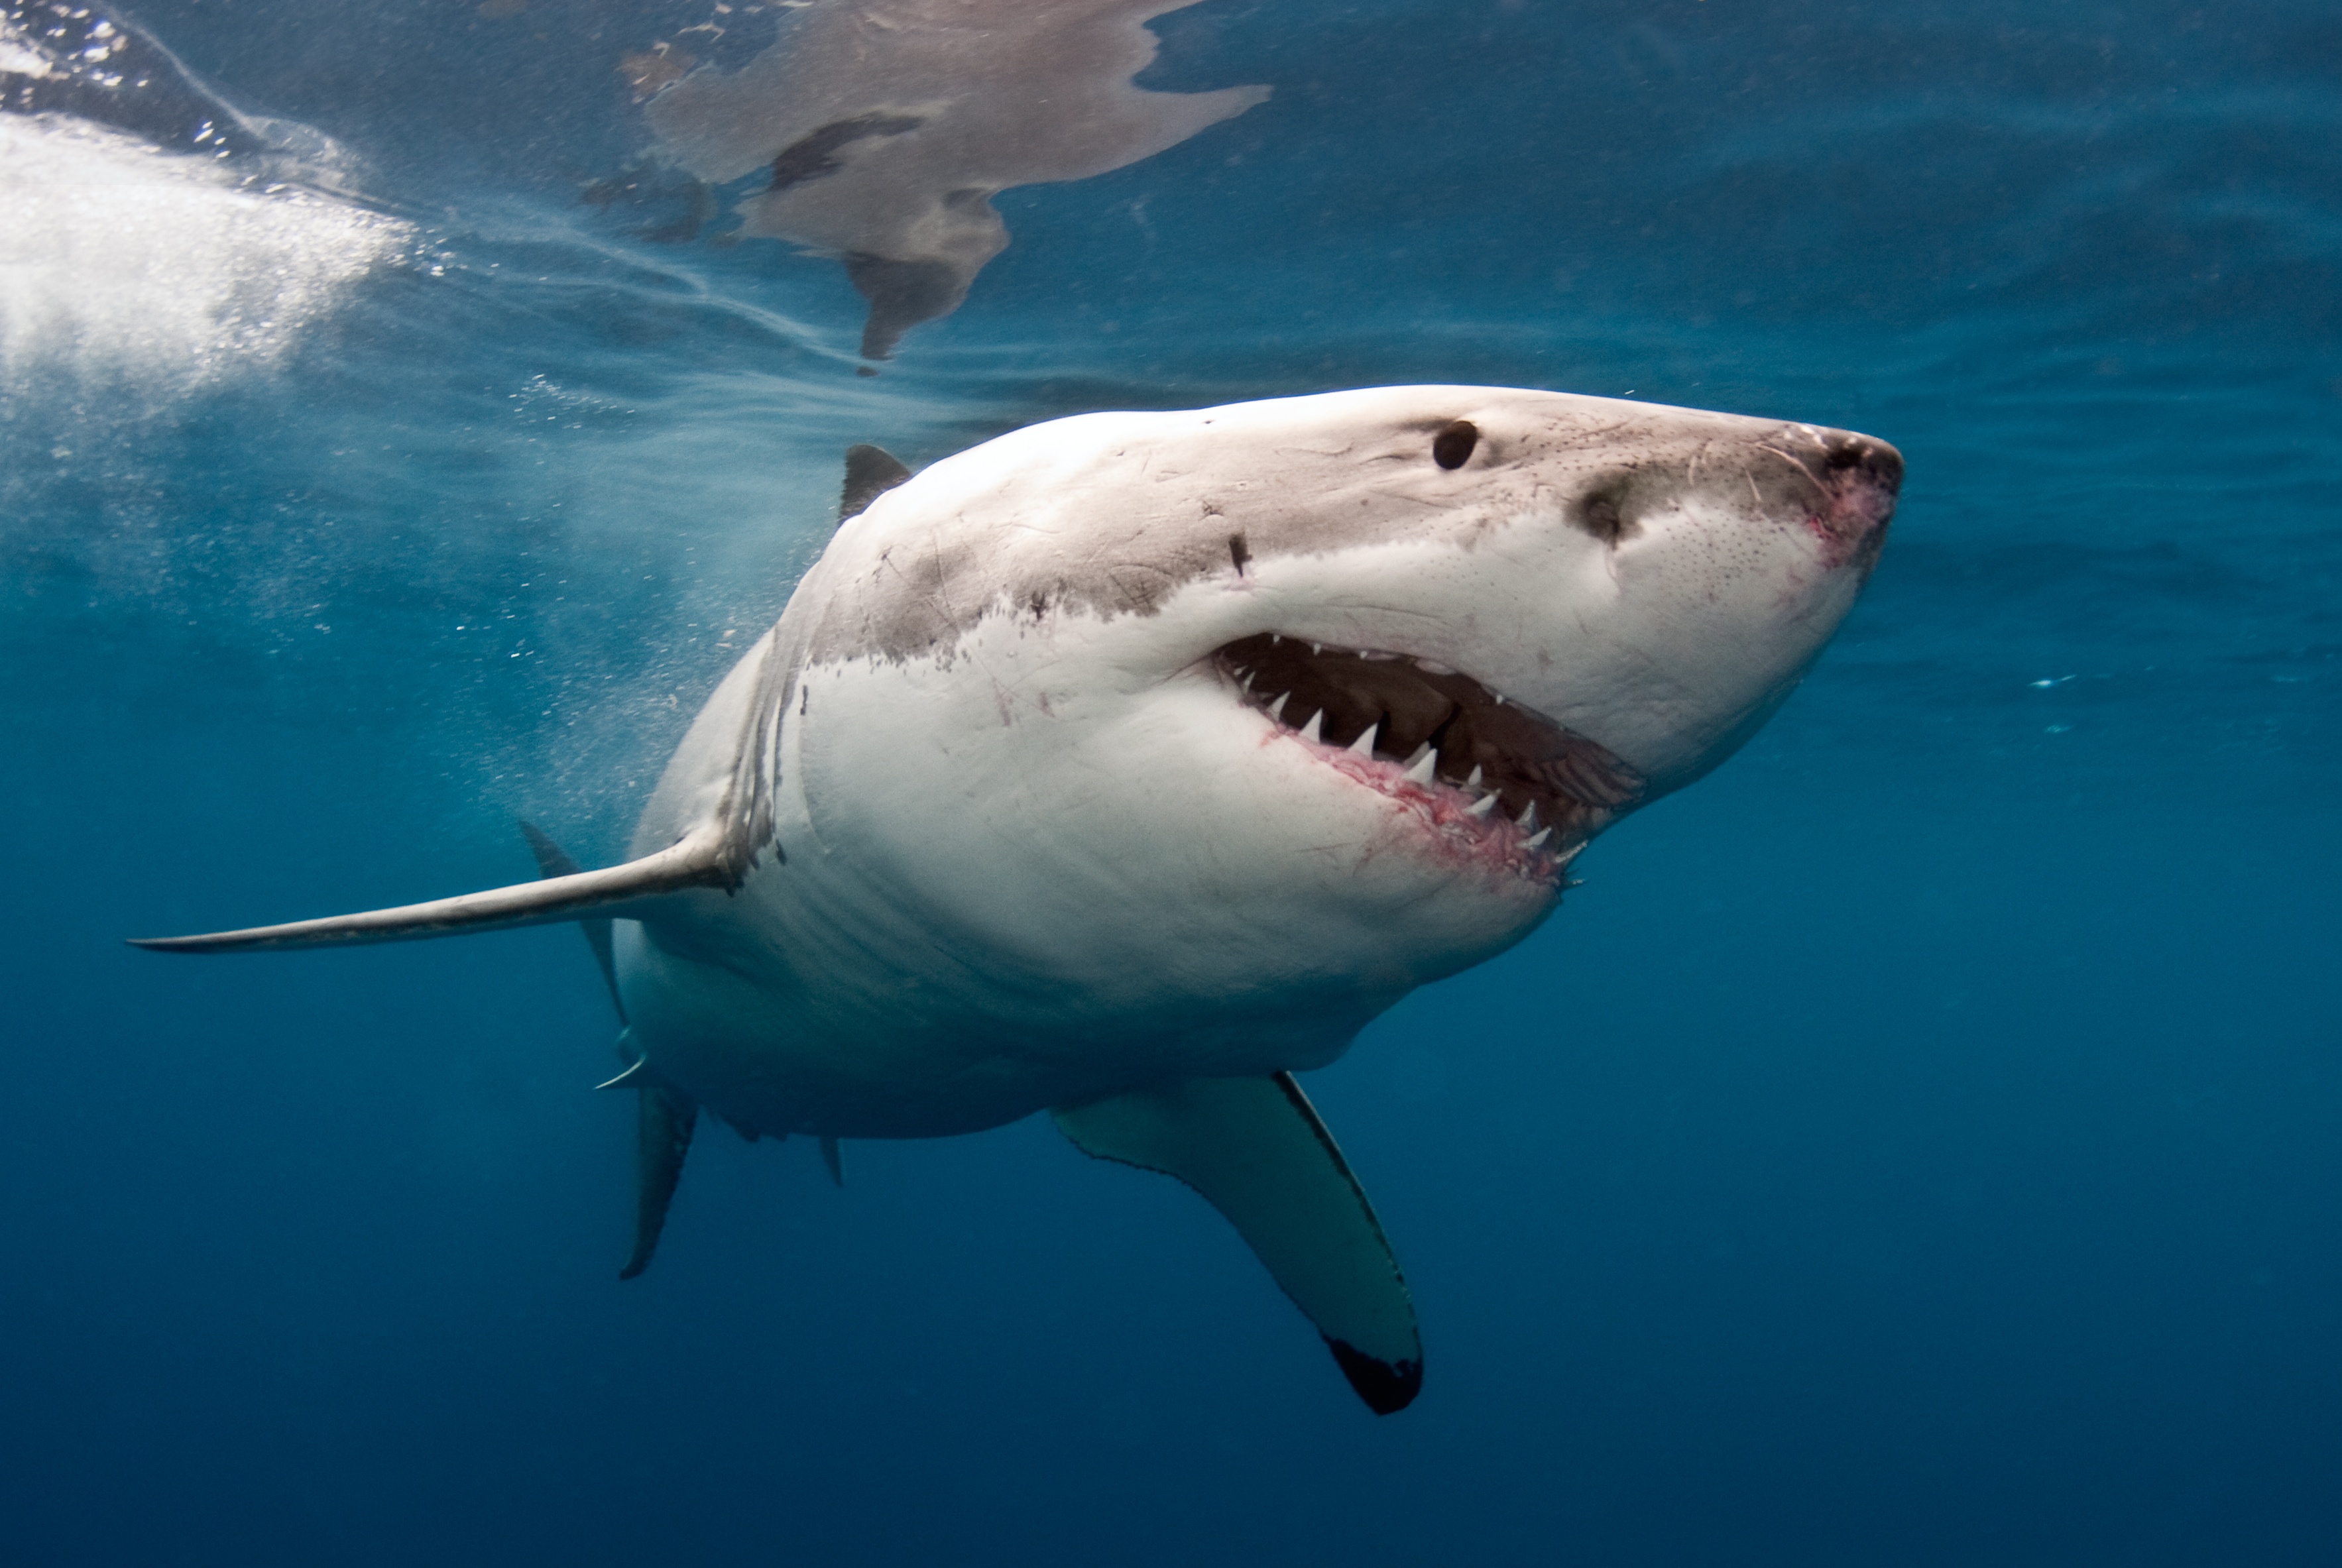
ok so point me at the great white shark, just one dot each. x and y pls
(1128, 764)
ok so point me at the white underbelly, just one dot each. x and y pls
(757, 1044)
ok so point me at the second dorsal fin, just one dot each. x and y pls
(870, 472)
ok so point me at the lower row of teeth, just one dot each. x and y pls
(1422, 768)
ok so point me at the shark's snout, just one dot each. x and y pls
(1847, 484)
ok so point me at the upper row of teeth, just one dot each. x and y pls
(1428, 667)
(1422, 768)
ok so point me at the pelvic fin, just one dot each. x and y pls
(664, 1119)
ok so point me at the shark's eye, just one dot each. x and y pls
(1452, 447)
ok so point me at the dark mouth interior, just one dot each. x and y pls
(1577, 786)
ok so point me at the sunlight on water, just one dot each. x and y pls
(160, 273)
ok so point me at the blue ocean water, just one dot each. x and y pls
(1919, 1143)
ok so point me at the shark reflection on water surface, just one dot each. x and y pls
(888, 127)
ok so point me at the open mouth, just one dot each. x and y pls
(1489, 774)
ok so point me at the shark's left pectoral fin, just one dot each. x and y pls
(1255, 1149)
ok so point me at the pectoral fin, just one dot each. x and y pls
(627, 891)
(1255, 1148)
(718, 853)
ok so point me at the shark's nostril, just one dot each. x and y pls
(1847, 454)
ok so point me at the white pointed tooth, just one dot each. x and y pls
(1274, 638)
(1276, 708)
(1420, 774)
(1364, 746)
(1474, 782)
(1245, 680)
(1527, 819)
(1563, 857)
(1541, 835)
(1309, 732)
(1416, 755)
(1481, 807)
(1316, 647)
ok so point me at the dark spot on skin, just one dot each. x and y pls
(1601, 513)
(1452, 447)
(1238, 551)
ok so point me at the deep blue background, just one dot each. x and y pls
(1921, 1142)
